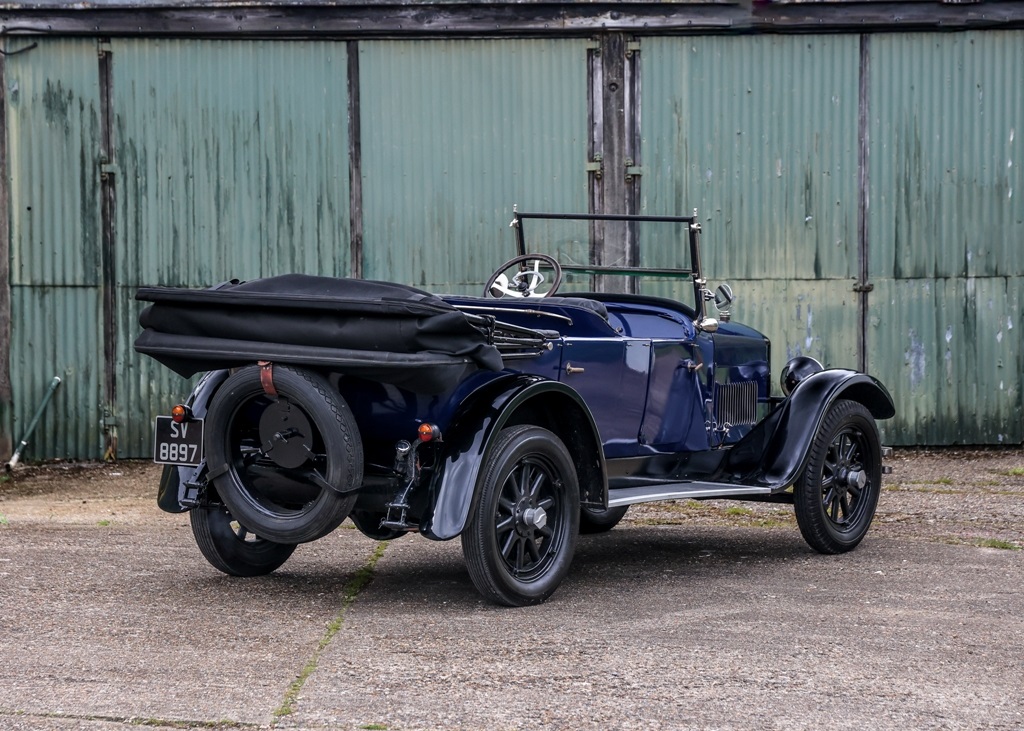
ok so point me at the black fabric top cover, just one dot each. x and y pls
(379, 330)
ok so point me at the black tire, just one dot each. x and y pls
(520, 541)
(232, 548)
(836, 496)
(284, 462)
(594, 520)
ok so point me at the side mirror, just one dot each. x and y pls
(724, 297)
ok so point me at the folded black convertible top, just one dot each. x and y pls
(378, 330)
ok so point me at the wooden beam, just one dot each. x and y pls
(266, 20)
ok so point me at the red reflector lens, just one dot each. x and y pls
(426, 432)
(179, 413)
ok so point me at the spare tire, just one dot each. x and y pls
(284, 465)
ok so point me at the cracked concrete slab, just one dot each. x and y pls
(685, 616)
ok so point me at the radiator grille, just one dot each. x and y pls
(736, 403)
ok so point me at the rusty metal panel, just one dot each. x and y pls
(233, 162)
(949, 350)
(946, 156)
(53, 113)
(759, 133)
(453, 134)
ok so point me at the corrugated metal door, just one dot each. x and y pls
(53, 140)
(947, 233)
(232, 162)
(453, 134)
(759, 133)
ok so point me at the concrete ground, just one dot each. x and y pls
(686, 616)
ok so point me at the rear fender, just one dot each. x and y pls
(775, 451)
(173, 494)
(518, 399)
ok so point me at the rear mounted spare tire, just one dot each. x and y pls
(285, 465)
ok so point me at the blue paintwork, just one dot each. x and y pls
(775, 451)
(636, 414)
(481, 417)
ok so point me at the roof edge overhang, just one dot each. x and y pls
(498, 19)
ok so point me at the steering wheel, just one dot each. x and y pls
(527, 278)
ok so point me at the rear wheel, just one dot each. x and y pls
(284, 465)
(231, 547)
(836, 496)
(595, 520)
(522, 534)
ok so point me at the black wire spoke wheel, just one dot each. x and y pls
(285, 464)
(525, 504)
(231, 547)
(522, 534)
(835, 498)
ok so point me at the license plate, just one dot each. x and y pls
(175, 443)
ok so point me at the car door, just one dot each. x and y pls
(611, 374)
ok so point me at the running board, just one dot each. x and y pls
(679, 491)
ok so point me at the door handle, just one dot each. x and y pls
(571, 369)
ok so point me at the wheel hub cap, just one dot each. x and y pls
(852, 478)
(285, 434)
(535, 518)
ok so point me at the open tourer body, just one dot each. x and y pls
(513, 420)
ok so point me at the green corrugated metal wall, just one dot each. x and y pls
(761, 133)
(53, 116)
(453, 134)
(232, 160)
(947, 233)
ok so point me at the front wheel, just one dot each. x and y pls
(836, 495)
(521, 536)
(231, 547)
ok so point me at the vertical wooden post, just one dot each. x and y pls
(108, 239)
(6, 440)
(355, 164)
(614, 116)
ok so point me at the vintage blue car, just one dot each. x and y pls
(514, 420)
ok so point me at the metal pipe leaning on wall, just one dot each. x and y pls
(16, 457)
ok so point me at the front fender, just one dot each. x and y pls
(500, 403)
(775, 451)
(171, 496)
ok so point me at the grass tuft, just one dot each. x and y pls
(996, 543)
(359, 582)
